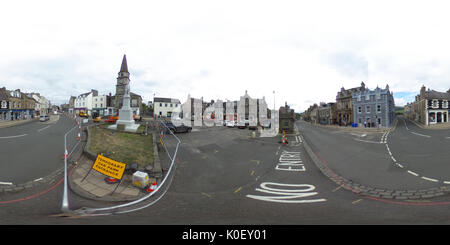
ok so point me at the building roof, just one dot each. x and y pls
(432, 94)
(124, 66)
(170, 100)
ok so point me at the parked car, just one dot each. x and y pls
(83, 114)
(230, 124)
(177, 129)
(242, 125)
(44, 118)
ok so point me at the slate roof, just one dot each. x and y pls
(169, 100)
(432, 94)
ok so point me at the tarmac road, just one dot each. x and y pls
(34, 150)
(223, 176)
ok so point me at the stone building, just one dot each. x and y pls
(344, 105)
(326, 113)
(165, 107)
(374, 108)
(15, 105)
(430, 107)
(83, 102)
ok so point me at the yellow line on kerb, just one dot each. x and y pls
(339, 187)
(238, 189)
(355, 202)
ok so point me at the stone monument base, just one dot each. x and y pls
(127, 126)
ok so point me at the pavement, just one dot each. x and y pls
(7, 123)
(92, 184)
(89, 183)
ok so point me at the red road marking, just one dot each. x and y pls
(35, 195)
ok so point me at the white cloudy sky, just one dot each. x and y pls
(304, 50)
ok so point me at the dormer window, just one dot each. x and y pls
(435, 104)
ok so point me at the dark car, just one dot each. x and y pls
(177, 129)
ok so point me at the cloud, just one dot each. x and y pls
(305, 51)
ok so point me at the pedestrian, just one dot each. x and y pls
(365, 124)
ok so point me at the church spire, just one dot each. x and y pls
(124, 67)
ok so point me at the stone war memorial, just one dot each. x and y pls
(125, 121)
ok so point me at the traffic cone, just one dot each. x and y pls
(79, 136)
(65, 155)
(111, 180)
(152, 187)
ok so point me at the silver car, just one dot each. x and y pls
(44, 118)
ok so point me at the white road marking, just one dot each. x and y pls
(37, 179)
(447, 137)
(393, 159)
(285, 195)
(398, 164)
(6, 183)
(384, 137)
(15, 136)
(405, 124)
(421, 134)
(411, 172)
(433, 180)
(39, 130)
(447, 182)
(367, 141)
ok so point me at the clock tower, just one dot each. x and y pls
(123, 80)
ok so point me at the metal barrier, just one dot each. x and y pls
(92, 211)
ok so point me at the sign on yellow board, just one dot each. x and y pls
(109, 167)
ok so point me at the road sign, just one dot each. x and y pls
(109, 167)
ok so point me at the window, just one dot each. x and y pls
(166, 105)
(359, 97)
(378, 95)
(101, 105)
(435, 104)
(176, 105)
(160, 104)
(368, 109)
(378, 108)
(367, 96)
(445, 104)
(171, 105)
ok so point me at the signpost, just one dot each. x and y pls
(108, 167)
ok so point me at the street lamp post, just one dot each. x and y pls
(274, 100)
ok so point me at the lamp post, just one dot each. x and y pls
(274, 100)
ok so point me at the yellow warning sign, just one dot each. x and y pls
(109, 167)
